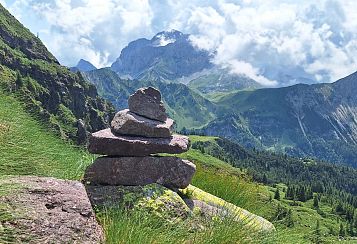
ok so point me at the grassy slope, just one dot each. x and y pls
(221, 83)
(26, 147)
(222, 180)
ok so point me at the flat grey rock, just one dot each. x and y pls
(147, 102)
(104, 142)
(171, 172)
(128, 123)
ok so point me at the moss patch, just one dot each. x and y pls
(154, 198)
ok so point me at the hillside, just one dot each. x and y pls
(188, 108)
(215, 81)
(64, 100)
(28, 148)
(302, 120)
(308, 201)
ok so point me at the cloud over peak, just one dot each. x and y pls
(267, 40)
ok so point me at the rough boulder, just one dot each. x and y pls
(46, 210)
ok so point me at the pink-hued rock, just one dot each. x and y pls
(48, 210)
(171, 172)
(147, 102)
(128, 123)
(104, 142)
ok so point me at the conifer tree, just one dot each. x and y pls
(277, 194)
(350, 230)
(19, 81)
(342, 231)
(316, 202)
(289, 219)
(302, 194)
(317, 233)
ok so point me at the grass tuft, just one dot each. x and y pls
(122, 226)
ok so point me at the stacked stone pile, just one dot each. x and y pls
(130, 145)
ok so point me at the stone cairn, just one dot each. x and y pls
(136, 134)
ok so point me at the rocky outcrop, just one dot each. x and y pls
(138, 167)
(46, 210)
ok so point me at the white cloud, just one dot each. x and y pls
(241, 67)
(164, 40)
(264, 39)
(278, 38)
(89, 29)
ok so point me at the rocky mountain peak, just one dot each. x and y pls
(166, 54)
(166, 37)
(83, 66)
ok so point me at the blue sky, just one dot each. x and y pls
(261, 38)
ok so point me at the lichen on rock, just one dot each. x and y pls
(152, 198)
(211, 205)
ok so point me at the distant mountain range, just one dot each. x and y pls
(171, 57)
(318, 120)
(303, 120)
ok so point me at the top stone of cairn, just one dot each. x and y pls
(147, 103)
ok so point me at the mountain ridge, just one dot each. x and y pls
(302, 120)
(62, 99)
